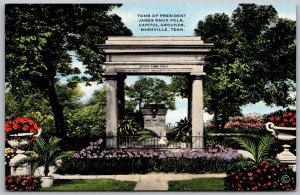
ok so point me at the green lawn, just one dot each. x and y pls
(91, 185)
(207, 184)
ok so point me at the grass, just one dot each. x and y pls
(91, 185)
(207, 184)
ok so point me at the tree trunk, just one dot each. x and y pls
(46, 171)
(224, 116)
(57, 110)
(216, 113)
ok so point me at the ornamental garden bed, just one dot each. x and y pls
(95, 160)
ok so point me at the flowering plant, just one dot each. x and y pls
(247, 123)
(21, 125)
(282, 118)
(95, 151)
(261, 177)
(22, 183)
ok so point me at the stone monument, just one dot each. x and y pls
(153, 56)
(155, 118)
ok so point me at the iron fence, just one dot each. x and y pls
(136, 142)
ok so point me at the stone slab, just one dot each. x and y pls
(155, 185)
(135, 178)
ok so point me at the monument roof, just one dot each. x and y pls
(126, 44)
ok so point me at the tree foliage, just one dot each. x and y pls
(29, 102)
(253, 60)
(150, 90)
(39, 38)
(89, 120)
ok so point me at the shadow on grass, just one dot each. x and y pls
(203, 184)
(91, 185)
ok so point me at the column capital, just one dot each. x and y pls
(197, 77)
(121, 76)
(115, 76)
(111, 76)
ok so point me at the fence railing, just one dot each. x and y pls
(136, 142)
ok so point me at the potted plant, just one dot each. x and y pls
(282, 124)
(19, 133)
(48, 152)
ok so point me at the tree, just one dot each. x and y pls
(39, 38)
(150, 90)
(90, 119)
(253, 59)
(23, 102)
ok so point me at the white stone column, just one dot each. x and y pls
(197, 112)
(189, 97)
(111, 112)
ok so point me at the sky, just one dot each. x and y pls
(189, 14)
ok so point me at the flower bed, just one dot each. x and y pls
(94, 160)
(22, 183)
(246, 123)
(262, 177)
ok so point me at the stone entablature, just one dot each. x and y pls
(153, 55)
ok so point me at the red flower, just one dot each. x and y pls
(269, 183)
(277, 118)
(7, 128)
(16, 126)
(258, 171)
(36, 127)
(271, 119)
(250, 174)
(264, 163)
(20, 120)
(251, 178)
(237, 177)
(290, 114)
(30, 121)
(282, 124)
(291, 120)
(294, 124)
(285, 120)
(285, 115)
(25, 127)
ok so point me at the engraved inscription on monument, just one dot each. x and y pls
(155, 118)
(152, 68)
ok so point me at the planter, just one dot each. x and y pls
(282, 133)
(286, 134)
(47, 181)
(20, 144)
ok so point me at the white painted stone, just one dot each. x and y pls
(47, 182)
(24, 169)
(197, 113)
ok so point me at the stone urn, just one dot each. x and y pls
(287, 135)
(20, 144)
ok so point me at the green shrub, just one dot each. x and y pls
(22, 183)
(143, 165)
(261, 177)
